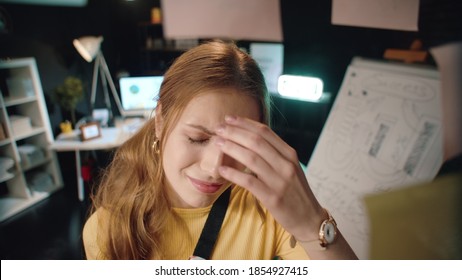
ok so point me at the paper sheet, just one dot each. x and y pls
(253, 20)
(418, 222)
(385, 14)
(383, 132)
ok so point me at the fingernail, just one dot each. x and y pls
(220, 141)
(229, 118)
(222, 169)
(220, 129)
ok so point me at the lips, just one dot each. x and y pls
(205, 187)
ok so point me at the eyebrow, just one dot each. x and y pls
(200, 127)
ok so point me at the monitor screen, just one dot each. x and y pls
(139, 94)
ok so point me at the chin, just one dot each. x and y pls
(206, 199)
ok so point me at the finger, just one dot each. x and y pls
(282, 162)
(245, 180)
(265, 132)
(252, 160)
(250, 144)
(275, 200)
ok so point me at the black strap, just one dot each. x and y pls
(212, 226)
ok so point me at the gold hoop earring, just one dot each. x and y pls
(155, 146)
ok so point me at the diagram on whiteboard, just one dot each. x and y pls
(384, 131)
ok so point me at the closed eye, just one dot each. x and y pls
(199, 141)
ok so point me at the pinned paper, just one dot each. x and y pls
(385, 14)
(383, 132)
(256, 20)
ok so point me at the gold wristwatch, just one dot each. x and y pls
(327, 235)
(328, 231)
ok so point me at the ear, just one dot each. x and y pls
(159, 121)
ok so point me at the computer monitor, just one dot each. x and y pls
(139, 94)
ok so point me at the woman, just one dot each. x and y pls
(210, 134)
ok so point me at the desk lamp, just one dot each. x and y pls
(89, 47)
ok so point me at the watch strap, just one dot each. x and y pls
(312, 245)
(319, 244)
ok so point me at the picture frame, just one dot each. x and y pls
(90, 130)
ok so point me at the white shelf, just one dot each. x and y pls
(10, 206)
(6, 177)
(11, 101)
(23, 96)
(5, 142)
(38, 163)
(32, 132)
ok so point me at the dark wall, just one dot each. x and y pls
(316, 47)
(46, 33)
(313, 46)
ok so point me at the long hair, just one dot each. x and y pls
(132, 191)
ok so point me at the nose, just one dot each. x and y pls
(212, 158)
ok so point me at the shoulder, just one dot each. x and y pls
(242, 199)
(91, 234)
(93, 222)
(239, 193)
(91, 225)
(244, 203)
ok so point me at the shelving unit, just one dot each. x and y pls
(29, 170)
(156, 52)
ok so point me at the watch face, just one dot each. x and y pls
(329, 232)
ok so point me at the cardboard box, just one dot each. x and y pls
(30, 155)
(20, 124)
(40, 181)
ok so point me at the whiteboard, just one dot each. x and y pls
(383, 132)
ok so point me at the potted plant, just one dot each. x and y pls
(69, 94)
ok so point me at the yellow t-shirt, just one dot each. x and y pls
(243, 235)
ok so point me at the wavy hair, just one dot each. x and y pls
(132, 190)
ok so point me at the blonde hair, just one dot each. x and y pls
(132, 190)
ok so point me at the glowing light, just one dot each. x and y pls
(300, 87)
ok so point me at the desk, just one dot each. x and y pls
(111, 137)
